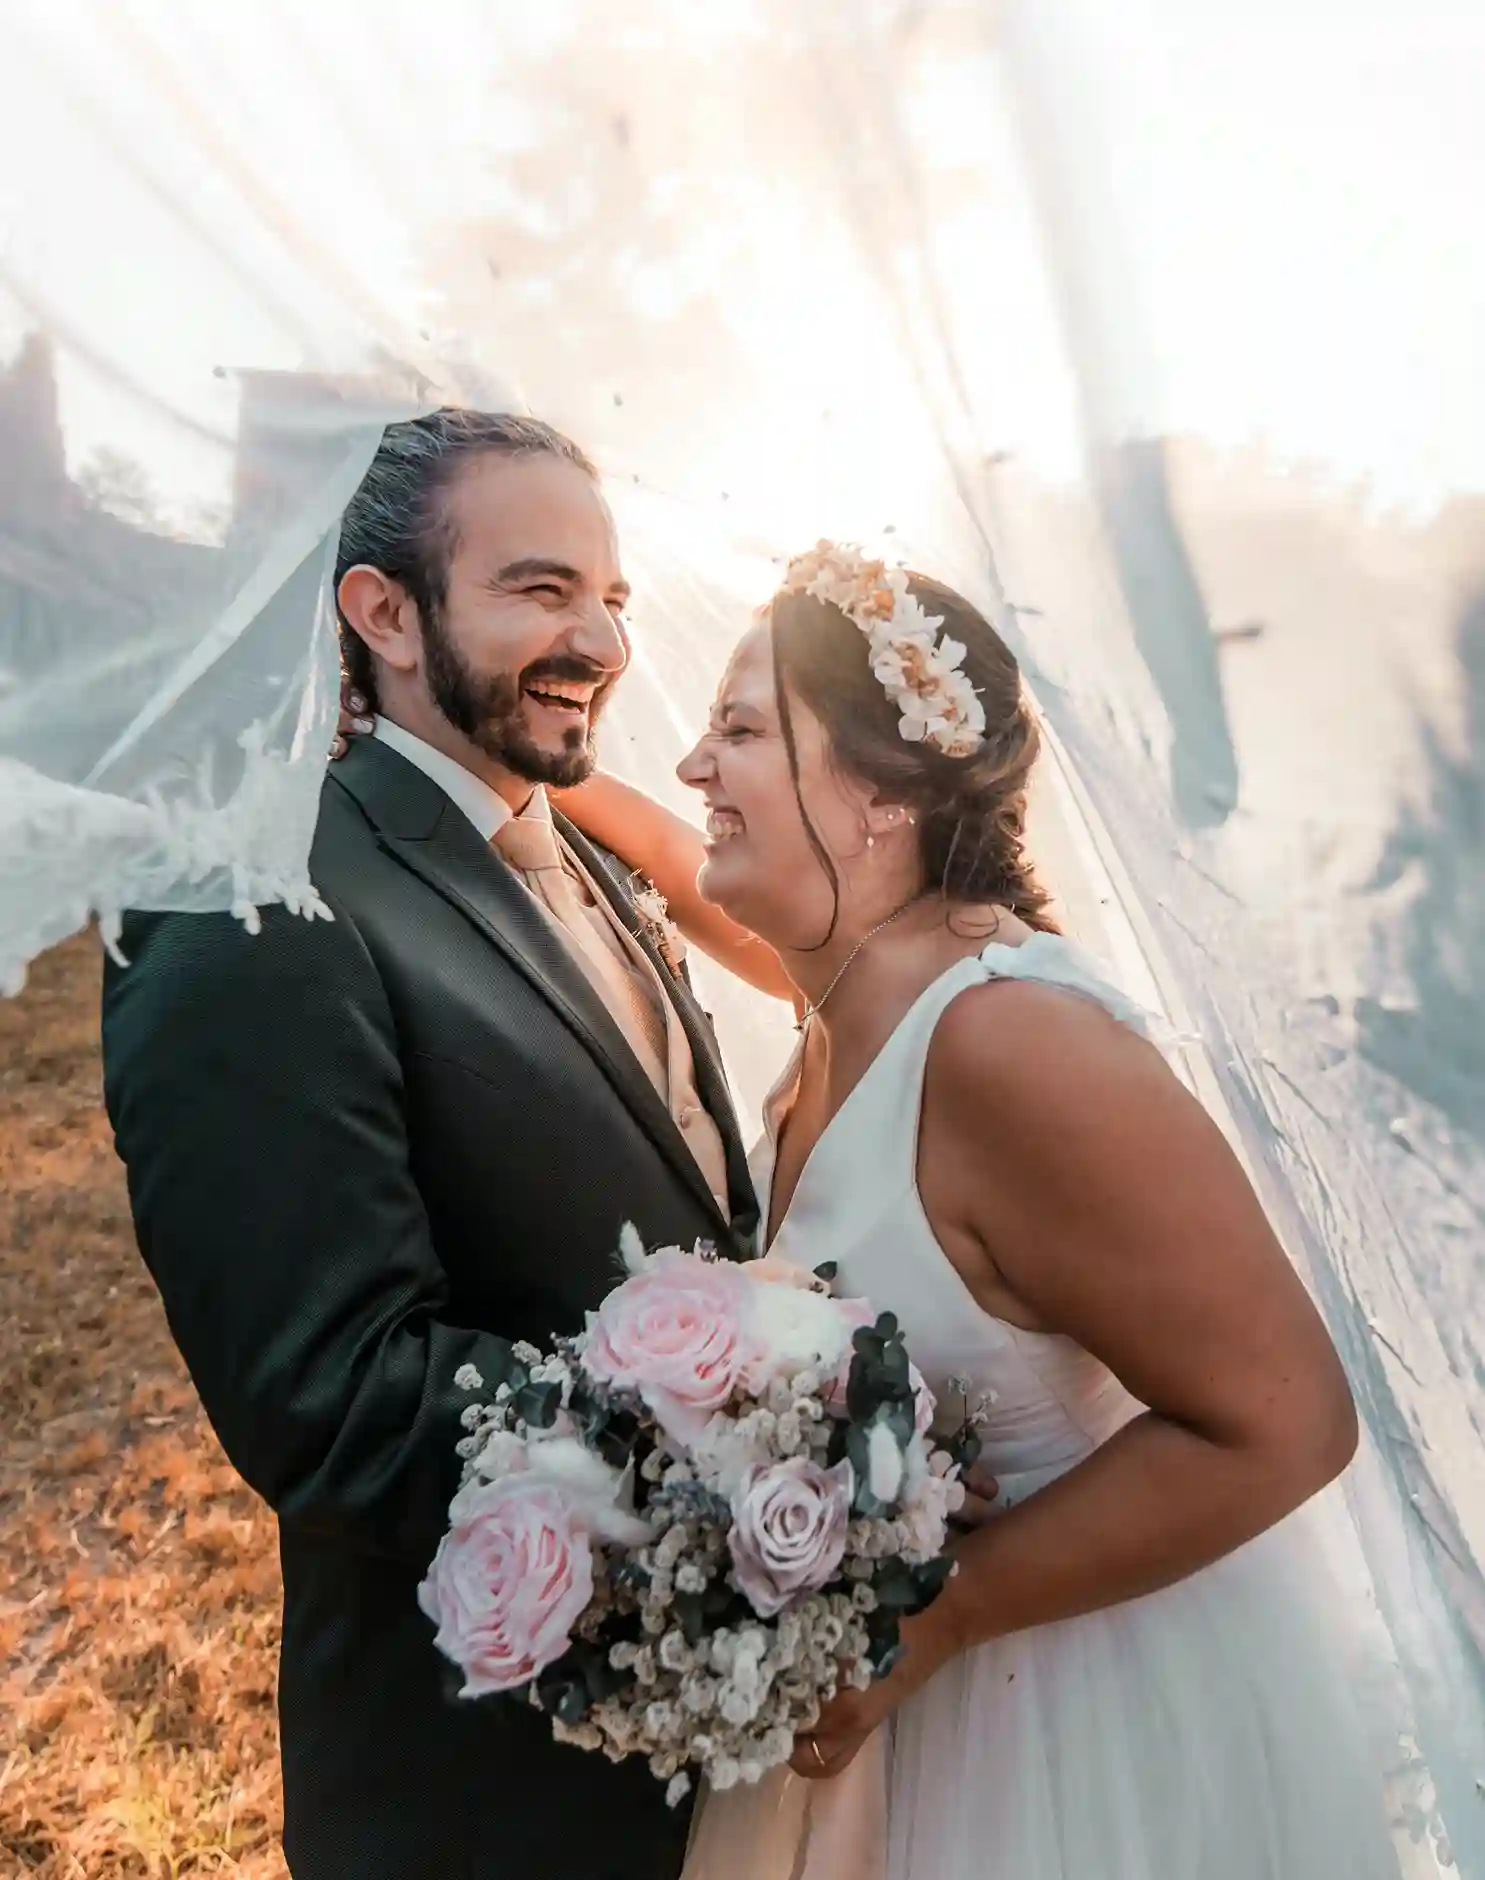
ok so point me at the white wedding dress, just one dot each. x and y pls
(1206, 1732)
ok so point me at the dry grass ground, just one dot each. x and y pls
(139, 1596)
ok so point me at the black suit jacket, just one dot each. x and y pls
(356, 1150)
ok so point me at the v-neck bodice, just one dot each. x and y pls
(856, 1203)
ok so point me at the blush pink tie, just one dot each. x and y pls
(530, 845)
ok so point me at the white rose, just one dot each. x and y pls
(795, 1331)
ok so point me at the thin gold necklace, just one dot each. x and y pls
(811, 1009)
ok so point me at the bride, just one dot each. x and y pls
(1131, 1675)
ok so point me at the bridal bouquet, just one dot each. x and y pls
(680, 1533)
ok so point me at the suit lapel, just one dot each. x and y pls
(419, 826)
(711, 1077)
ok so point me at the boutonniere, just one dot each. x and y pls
(660, 930)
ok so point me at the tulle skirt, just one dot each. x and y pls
(1207, 1732)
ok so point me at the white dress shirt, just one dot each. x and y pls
(487, 809)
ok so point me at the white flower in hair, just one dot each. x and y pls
(920, 672)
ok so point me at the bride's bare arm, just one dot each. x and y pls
(1106, 1203)
(664, 846)
(1109, 1202)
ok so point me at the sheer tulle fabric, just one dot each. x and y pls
(1205, 1732)
(1020, 282)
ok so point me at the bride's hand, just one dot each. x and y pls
(980, 1493)
(354, 722)
(844, 1726)
(852, 1716)
(849, 1719)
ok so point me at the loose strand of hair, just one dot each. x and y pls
(812, 835)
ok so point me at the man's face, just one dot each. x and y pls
(530, 638)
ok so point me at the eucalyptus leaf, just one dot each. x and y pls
(600, 1678)
(561, 1690)
(886, 1662)
(690, 1612)
(895, 1587)
(629, 1573)
(884, 1642)
(497, 1361)
(880, 1372)
(931, 1578)
(615, 1441)
(538, 1404)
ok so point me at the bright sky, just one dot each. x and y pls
(1291, 193)
(1274, 217)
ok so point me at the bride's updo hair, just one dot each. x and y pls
(971, 811)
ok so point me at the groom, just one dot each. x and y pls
(360, 1150)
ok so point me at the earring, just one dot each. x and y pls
(871, 842)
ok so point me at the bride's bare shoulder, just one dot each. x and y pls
(1032, 1044)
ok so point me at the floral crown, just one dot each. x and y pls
(919, 670)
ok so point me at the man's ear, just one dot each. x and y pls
(383, 613)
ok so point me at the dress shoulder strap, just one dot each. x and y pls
(1054, 961)
(894, 1086)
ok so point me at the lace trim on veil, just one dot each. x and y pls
(244, 853)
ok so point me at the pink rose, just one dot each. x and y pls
(674, 1332)
(509, 1581)
(861, 1312)
(788, 1533)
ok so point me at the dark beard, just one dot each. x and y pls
(488, 711)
